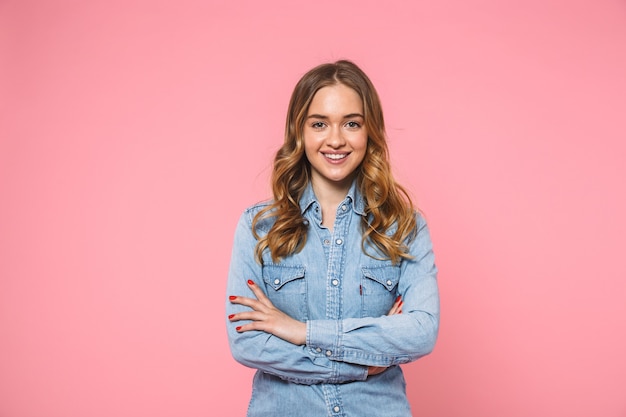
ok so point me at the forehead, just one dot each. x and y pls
(337, 98)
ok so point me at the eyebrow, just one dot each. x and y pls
(347, 116)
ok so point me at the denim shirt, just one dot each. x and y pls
(343, 295)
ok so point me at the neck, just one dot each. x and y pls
(330, 195)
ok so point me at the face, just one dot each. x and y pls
(335, 138)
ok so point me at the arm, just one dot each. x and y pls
(389, 340)
(264, 316)
(267, 352)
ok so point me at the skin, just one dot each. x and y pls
(335, 142)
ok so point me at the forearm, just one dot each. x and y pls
(382, 341)
(298, 364)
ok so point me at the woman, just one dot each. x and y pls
(332, 284)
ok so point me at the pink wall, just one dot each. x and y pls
(126, 126)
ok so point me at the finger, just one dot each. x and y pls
(248, 302)
(258, 292)
(254, 325)
(396, 305)
(244, 328)
(399, 308)
(247, 315)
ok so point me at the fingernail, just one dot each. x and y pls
(398, 299)
(232, 297)
(231, 316)
(400, 312)
(401, 302)
(238, 328)
(250, 282)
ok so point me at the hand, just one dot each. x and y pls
(267, 318)
(396, 308)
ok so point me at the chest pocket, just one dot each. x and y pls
(378, 290)
(285, 286)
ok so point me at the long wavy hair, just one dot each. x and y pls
(389, 222)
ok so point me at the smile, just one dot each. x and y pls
(335, 156)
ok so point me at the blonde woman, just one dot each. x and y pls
(332, 283)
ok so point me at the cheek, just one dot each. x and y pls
(309, 149)
(365, 142)
(312, 143)
(361, 144)
(363, 149)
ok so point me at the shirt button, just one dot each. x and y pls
(344, 207)
(328, 353)
(389, 282)
(318, 350)
(306, 222)
(336, 409)
(339, 241)
(326, 242)
(335, 282)
(276, 281)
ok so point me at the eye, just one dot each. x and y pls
(317, 125)
(353, 125)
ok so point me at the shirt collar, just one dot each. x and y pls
(358, 202)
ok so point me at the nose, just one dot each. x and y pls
(335, 138)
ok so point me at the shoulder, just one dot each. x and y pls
(254, 209)
(263, 224)
(421, 240)
(420, 220)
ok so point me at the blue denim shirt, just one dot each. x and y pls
(343, 295)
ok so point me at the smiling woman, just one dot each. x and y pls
(332, 284)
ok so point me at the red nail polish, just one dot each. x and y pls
(231, 316)
(238, 328)
(400, 312)
(250, 282)
(401, 302)
(232, 297)
(398, 299)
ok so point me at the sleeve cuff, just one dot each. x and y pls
(324, 336)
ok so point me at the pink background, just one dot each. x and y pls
(133, 134)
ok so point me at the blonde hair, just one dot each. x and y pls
(389, 221)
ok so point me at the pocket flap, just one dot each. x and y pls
(276, 276)
(387, 276)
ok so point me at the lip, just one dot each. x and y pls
(333, 160)
(336, 153)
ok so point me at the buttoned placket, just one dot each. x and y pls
(334, 245)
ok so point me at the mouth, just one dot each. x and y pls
(335, 156)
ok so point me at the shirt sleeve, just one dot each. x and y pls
(264, 351)
(389, 340)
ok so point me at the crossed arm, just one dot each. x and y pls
(264, 316)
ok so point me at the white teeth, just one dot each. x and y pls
(335, 156)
